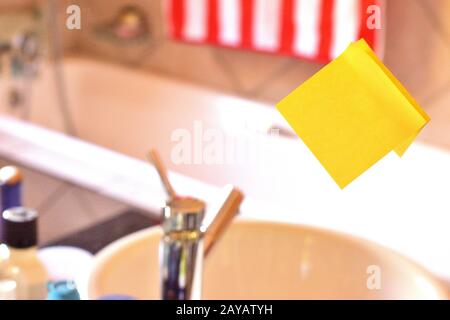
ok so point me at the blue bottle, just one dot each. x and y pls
(10, 190)
(11, 187)
(62, 290)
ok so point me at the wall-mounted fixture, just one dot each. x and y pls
(20, 65)
(129, 25)
(24, 44)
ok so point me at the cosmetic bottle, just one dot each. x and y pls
(11, 187)
(8, 283)
(20, 236)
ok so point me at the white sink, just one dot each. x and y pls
(262, 260)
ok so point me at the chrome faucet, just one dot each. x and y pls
(189, 234)
(181, 250)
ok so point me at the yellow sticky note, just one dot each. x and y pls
(352, 113)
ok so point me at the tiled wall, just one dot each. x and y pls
(255, 75)
(417, 50)
(63, 208)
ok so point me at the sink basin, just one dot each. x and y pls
(264, 260)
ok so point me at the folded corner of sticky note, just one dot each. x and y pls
(352, 113)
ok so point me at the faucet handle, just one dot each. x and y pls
(219, 217)
(154, 158)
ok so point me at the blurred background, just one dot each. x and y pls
(123, 85)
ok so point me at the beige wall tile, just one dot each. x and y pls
(16, 4)
(437, 132)
(288, 77)
(39, 189)
(12, 22)
(189, 62)
(439, 11)
(75, 210)
(250, 69)
(415, 52)
(67, 39)
(65, 216)
(102, 207)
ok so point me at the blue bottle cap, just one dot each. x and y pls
(62, 290)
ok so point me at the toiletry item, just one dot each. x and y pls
(8, 289)
(8, 283)
(62, 290)
(20, 235)
(4, 255)
(10, 187)
(10, 190)
(68, 263)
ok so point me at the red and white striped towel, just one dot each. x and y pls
(316, 30)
